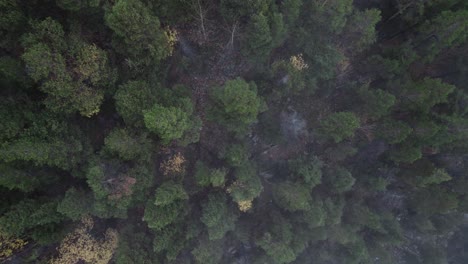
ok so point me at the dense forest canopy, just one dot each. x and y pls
(234, 131)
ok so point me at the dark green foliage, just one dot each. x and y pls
(340, 152)
(292, 196)
(137, 33)
(131, 99)
(206, 176)
(12, 19)
(259, 38)
(432, 254)
(334, 209)
(276, 240)
(160, 216)
(168, 193)
(169, 240)
(377, 103)
(217, 216)
(449, 29)
(168, 123)
(247, 185)
(236, 155)
(423, 173)
(292, 77)
(434, 200)
(209, 252)
(168, 206)
(315, 217)
(76, 84)
(27, 215)
(75, 5)
(393, 131)
(360, 30)
(128, 145)
(145, 115)
(134, 247)
(308, 169)
(339, 126)
(292, 9)
(423, 95)
(75, 204)
(236, 105)
(14, 178)
(405, 153)
(278, 29)
(362, 217)
(56, 152)
(339, 180)
(356, 252)
(233, 10)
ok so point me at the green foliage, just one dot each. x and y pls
(292, 77)
(206, 176)
(308, 169)
(315, 217)
(168, 123)
(361, 216)
(422, 95)
(378, 184)
(376, 103)
(75, 204)
(27, 215)
(134, 247)
(113, 187)
(25, 180)
(131, 99)
(292, 9)
(168, 193)
(433, 200)
(405, 153)
(12, 121)
(423, 173)
(292, 196)
(217, 216)
(137, 33)
(76, 84)
(360, 29)
(233, 10)
(449, 29)
(12, 19)
(278, 29)
(236, 155)
(356, 252)
(339, 126)
(55, 152)
(339, 180)
(208, 252)
(169, 240)
(236, 105)
(247, 185)
(159, 216)
(393, 131)
(277, 239)
(340, 152)
(259, 39)
(73, 144)
(128, 145)
(334, 210)
(279, 252)
(332, 14)
(168, 206)
(75, 5)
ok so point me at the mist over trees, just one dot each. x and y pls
(233, 131)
